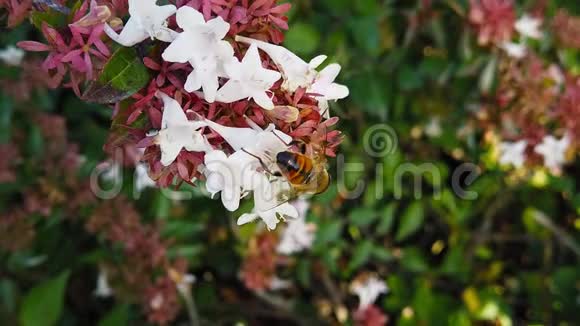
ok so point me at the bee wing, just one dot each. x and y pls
(280, 197)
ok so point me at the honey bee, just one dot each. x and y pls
(307, 175)
(304, 171)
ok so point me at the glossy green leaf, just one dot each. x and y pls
(411, 221)
(123, 75)
(43, 305)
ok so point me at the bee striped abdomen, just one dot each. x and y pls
(297, 167)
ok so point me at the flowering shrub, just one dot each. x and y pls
(198, 161)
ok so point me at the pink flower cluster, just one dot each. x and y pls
(78, 52)
(493, 19)
(78, 49)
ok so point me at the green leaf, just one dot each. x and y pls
(328, 232)
(414, 260)
(302, 39)
(52, 17)
(411, 221)
(123, 75)
(382, 254)
(118, 316)
(362, 216)
(362, 254)
(43, 305)
(387, 220)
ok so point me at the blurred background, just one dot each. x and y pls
(492, 244)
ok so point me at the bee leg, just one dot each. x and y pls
(259, 160)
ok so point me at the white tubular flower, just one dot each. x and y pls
(298, 235)
(142, 179)
(177, 132)
(368, 291)
(529, 26)
(248, 79)
(514, 50)
(326, 89)
(183, 282)
(233, 176)
(103, 289)
(113, 172)
(296, 72)
(254, 140)
(279, 284)
(433, 128)
(268, 205)
(513, 153)
(553, 151)
(12, 56)
(148, 20)
(202, 45)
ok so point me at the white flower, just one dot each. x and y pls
(269, 203)
(271, 217)
(326, 88)
(103, 289)
(529, 27)
(248, 79)
(177, 132)
(142, 179)
(298, 235)
(513, 153)
(248, 169)
(553, 151)
(368, 291)
(433, 128)
(183, 282)
(148, 20)
(12, 56)
(279, 284)
(514, 50)
(112, 171)
(202, 45)
(555, 72)
(296, 72)
(233, 176)
(254, 140)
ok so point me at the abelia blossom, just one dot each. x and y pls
(433, 128)
(80, 57)
(103, 289)
(514, 50)
(18, 10)
(201, 44)
(295, 71)
(232, 175)
(325, 89)
(96, 15)
(11, 56)
(248, 79)
(298, 234)
(177, 132)
(553, 151)
(513, 153)
(56, 47)
(148, 20)
(368, 290)
(370, 316)
(529, 26)
(494, 20)
(142, 179)
(566, 29)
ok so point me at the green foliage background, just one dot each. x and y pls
(446, 260)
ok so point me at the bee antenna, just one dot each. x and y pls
(280, 138)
